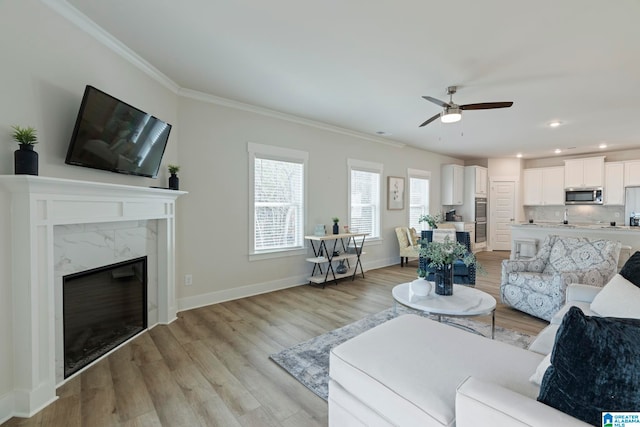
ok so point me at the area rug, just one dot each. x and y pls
(308, 362)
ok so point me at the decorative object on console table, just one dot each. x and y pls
(174, 181)
(336, 227)
(341, 268)
(441, 256)
(395, 193)
(25, 159)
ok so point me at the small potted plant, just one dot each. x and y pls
(25, 158)
(431, 220)
(336, 227)
(174, 181)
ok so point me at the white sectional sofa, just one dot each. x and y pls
(412, 371)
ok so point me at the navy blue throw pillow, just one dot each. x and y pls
(595, 367)
(631, 269)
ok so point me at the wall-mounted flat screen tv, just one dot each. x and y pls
(112, 135)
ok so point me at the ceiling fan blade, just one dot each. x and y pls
(430, 120)
(437, 102)
(486, 105)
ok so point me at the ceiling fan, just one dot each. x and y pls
(453, 112)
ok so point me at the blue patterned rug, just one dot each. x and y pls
(308, 362)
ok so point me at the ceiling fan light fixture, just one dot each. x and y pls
(451, 115)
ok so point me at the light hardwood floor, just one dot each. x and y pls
(211, 367)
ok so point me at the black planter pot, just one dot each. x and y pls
(174, 182)
(25, 160)
(443, 278)
(336, 228)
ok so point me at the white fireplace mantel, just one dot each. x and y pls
(38, 204)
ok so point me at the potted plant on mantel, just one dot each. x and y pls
(441, 256)
(174, 181)
(25, 160)
(336, 227)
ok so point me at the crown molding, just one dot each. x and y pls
(212, 99)
(90, 27)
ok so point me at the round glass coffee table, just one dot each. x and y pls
(465, 302)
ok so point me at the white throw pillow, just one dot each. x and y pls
(541, 369)
(441, 235)
(618, 298)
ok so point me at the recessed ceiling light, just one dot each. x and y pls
(558, 151)
(519, 155)
(383, 133)
(555, 124)
(603, 145)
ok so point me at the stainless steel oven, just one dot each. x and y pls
(481, 219)
(481, 232)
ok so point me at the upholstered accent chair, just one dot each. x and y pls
(538, 285)
(462, 274)
(408, 243)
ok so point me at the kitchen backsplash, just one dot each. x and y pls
(587, 214)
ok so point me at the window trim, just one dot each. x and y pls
(365, 166)
(271, 152)
(420, 174)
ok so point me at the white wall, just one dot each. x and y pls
(46, 63)
(213, 217)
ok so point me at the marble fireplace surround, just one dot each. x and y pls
(40, 205)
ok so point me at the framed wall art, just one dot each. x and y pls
(395, 193)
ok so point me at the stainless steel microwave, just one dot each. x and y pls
(583, 196)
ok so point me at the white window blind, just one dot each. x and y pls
(365, 201)
(418, 200)
(277, 199)
(278, 204)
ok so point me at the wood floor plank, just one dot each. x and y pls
(211, 366)
(170, 403)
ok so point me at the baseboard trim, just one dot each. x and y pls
(6, 407)
(202, 300)
(189, 303)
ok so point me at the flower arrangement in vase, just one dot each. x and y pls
(431, 220)
(441, 256)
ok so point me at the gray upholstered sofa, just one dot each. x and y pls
(537, 285)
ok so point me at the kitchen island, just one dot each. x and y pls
(629, 237)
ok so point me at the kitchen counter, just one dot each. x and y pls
(578, 226)
(627, 236)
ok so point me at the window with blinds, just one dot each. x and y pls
(365, 201)
(278, 198)
(418, 200)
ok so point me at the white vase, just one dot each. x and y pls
(420, 287)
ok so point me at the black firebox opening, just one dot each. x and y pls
(102, 308)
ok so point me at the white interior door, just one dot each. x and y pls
(502, 214)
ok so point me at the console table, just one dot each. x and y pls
(326, 249)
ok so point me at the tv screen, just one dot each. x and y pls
(112, 135)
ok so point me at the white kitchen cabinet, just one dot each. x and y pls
(476, 180)
(452, 184)
(614, 183)
(581, 173)
(632, 173)
(544, 186)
